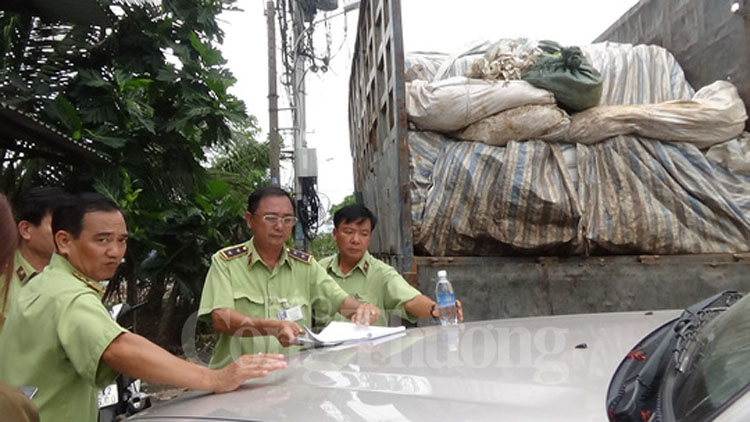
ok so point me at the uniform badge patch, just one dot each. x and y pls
(21, 273)
(233, 252)
(366, 266)
(300, 255)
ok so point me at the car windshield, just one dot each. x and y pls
(719, 370)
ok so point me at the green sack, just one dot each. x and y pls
(566, 73)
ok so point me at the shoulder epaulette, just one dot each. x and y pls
(233, 252)
(300, 255)
(97, 288)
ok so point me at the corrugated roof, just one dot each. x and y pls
(22, 132)
(86, 12)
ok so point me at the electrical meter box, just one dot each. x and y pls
(307, 162)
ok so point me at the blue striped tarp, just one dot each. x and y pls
(626, 195)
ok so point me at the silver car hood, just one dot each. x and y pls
(525, 369)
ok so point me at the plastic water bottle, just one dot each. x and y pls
(446, 300)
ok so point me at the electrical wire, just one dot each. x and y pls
(308, 207)
(301, 47)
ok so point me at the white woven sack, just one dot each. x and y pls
(543, 122)
(715, 114)
(454, 103)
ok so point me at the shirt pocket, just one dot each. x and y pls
(250, 303)
(304, 306)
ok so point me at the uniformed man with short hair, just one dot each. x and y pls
(59, 337)
(33, 215)
(368, 278)
(259, 293)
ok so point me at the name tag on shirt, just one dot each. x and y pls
(291, 314)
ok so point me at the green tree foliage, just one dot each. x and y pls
(242, 163)
(36, 63)
(323, 245)
(152, 93)
(349, 200)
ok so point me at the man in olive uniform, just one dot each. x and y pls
(59, 337)
(368, 278)
(258, 293)
(14, 405)
(33, 215)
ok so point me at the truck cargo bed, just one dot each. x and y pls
(505, 286)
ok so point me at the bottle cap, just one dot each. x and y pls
(442, 273)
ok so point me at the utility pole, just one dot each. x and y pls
(300, 127)
(273, 98)
(305, 159)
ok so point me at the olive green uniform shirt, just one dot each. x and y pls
(239, 279)
(54, 339)
(22, 272)
(375, 282)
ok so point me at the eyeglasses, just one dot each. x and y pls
(275, 219)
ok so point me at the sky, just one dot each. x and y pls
(447, 26)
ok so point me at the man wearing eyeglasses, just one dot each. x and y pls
(259, 293)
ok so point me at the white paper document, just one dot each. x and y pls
(346, 332)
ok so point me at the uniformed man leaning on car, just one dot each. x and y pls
(59, 337)
(368, 278)
(258, 294)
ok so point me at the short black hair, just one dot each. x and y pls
(69, 216)
(253, 201)
(38, 202)
(354, 214)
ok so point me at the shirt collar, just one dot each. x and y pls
(61, 263)
(253, 257)
(364, 265)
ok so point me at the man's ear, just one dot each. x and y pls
(63, 241)
(248, 220)
(24, 228)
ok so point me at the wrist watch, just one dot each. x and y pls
(433, 310)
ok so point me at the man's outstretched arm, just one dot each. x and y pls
(424, 307)
(136, 356)
(234, 323)
(359, 312)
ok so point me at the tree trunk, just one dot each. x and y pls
(166, 318)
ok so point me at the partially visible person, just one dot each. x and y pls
(369, 279)
(59, 337)
(8, 244)
(14, 405)
(258, 293)
(33, 214)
